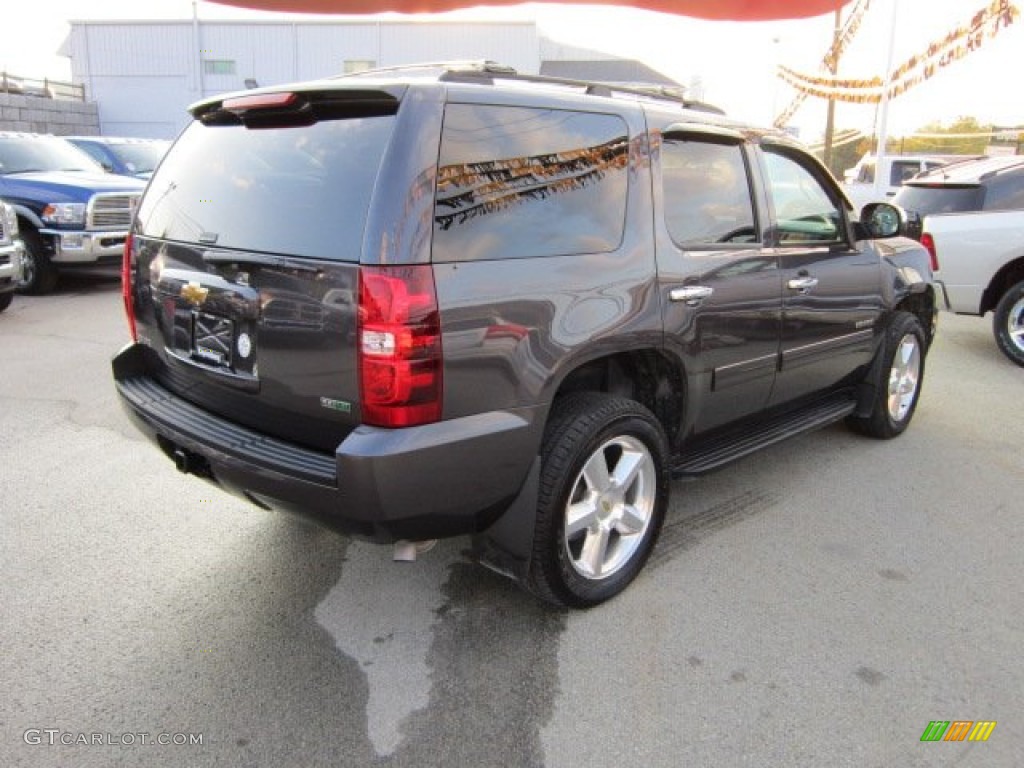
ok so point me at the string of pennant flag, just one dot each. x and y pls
(956, 45)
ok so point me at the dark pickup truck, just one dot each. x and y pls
(71, 214)
(438, 302)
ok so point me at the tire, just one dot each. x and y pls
(898, 380)
(39, 276)
(1008, 323)
(615, 525)
(5, 300)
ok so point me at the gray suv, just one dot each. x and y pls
(434, 302)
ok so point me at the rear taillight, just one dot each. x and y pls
(399, 346)
(929, 243)
(127, 277)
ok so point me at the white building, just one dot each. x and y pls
(143, 74)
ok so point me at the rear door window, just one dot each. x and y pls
(518, 182)
(295, 190)
(706, 193)
(1005, 193)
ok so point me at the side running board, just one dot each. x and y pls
(706, 454)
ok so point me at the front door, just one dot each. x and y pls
(831, 300)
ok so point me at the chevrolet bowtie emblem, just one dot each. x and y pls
(194, 293)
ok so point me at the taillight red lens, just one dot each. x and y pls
(929, 243)
(127, 278)
(400, 369)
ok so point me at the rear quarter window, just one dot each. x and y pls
(517, 182)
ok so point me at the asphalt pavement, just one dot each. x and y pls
(817, 604)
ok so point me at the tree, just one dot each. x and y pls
(958, 142)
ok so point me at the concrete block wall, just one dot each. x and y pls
(35, 114)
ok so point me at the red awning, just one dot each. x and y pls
(722, 10)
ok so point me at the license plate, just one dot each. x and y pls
(212, 337)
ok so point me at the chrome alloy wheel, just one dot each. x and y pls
(1015, 324)
(904, 377)
(610, 507)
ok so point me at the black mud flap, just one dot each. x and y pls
(507, 545)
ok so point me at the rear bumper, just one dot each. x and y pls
(446, 479)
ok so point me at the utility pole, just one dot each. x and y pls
(833, 69)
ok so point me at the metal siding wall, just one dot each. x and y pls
(264, 52)
(516, 45)
(143, 75)
(322, 50)
(146, 107)
(140, 76)
(137, 49)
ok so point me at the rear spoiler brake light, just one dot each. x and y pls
(259, 101)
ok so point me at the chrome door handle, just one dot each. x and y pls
(802, 284)
(691, 294)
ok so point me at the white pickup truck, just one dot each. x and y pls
(875, 179)
(974, 228)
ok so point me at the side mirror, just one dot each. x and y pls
(882, 220)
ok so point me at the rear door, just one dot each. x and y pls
(720, 280)
(248, 244)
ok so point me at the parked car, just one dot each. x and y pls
(540, 298)
(124, 156)
(974, 184)
(11, 251)
(878, 178)
(71, 214)
(971, 218)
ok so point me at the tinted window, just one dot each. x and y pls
(944, 199)
(139, 158)
(1005, 193)
(804, 211)
(300, 191)
(95, 153)
(24, 154)
(516, 182)
(706, 192)
(903, 170)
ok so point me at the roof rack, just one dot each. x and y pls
(487, 72)
(435, 68)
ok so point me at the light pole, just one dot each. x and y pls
(830, 115)
(883, 112)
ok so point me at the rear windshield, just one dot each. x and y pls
(297, 190)
(932, 200)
